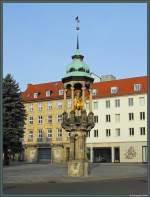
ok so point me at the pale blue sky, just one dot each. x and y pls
(39, 39)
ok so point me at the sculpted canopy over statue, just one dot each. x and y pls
(78, 102)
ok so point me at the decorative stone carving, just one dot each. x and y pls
(131, 153)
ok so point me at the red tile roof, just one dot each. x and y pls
(125, 87)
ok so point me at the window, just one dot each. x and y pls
(141, 101)
(49, 133)
(69, 103)
(30, 136)
(49, 119)
(130, 102)
(59, 118)
(117, 132)
(131, 116)
(59, 105)
(40, 120)
(107, 118)
(59, 133)
(137, 87)
(30, 107)
(40, 106)
(107, 103)
(88, 134)
(142, 130)
(94, 92)
(108, 132)
(36, 94)
(142, 115)
(117, 103)
(131, 131)
(30, 119)
(96, 133)
(40, 133)
(114, 90)
(61, 92)
(117, 117)
(49, 105)
(48, 93)
(95, 105)
(96, 119)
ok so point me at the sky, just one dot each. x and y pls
(40, 38)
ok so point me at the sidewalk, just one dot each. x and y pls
(35, 173)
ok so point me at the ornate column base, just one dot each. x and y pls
(77, 168)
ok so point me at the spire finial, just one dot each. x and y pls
(77, 28)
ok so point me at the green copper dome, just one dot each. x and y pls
(77, 66)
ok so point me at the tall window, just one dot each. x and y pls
(49, 133)
(117, 103)
(40, 106)
(88, 134)
(94, 92)
(142, 130)
(30, 107)
(61, 92)
(59, 133)
(117, 117)
(48, 93)
(131, 116)
(107, 103)
(30, 119)
(95, 105)
(142, 115)
(40, 119)
(96, 119)
(117, 132)
(137, 87)
(96, 133)
(108, 118)
(130, 102)
(35, 94)
(49, 105)
(108, 132)
(131, 131)
(59, 118)
(87, 105)
(49, 118)
(30, 136)
(141, 101)
(59, 105)
(40, 133)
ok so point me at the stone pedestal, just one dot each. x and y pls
(77, 168)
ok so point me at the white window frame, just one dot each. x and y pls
(96, 133)
(117, 102)
(30, 119)
(142, 131)
(49, 105)
(114, 90)
(142, 101)
(59, 133)
(59, 118)
(48, 93)
(108, 132)
(95, 105)
(31, 107)
(117, 131)
(137, 87)
(49, 118)
(131, 131)
(40, 119)
(40, 106)
(30, 135)
(94, 91)
(107, 104)
(61, 92)
(117, 117)
(130, 102)
(49, 133)
(35, 95)
(40, 133)
(59, 105)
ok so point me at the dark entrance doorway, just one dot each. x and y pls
(67, 153)
(116, 154)
(102, 155)
(44, 154)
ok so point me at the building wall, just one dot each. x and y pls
(124, 141)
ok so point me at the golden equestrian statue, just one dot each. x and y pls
(78, 102)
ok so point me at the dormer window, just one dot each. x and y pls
(61, 92)
(94, 92)
(36, 94)
(48, 92)
(137, 87)
(114, 90)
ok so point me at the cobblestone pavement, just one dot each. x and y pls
(34, 173)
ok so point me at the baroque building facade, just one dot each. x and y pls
(120, 113)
